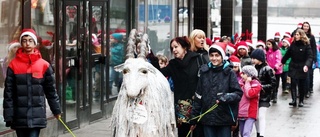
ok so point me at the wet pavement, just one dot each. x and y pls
(282, 119)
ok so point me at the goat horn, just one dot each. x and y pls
(131, 44)
(143, 46)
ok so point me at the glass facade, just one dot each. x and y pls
(10, 26)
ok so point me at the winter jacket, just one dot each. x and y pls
(29, 82)
(274, 60)
(268, 82)
(246, 60)
(313, 46)
(301, 55)
(117, 54)
(286, 65)
(248, 106)
(184, 74)
(217, 83)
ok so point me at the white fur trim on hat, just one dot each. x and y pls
(230, 49)
(261, 43)
(12, 45)
(286, 41)
(243, 47)
(287, 35)
(32, 35)
(223, 54)
(236, 64)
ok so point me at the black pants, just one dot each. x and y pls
(301, 83)
(284, 77)
(184, 129)
(28, 132)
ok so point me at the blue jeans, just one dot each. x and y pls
(27, 132)
(217, 131)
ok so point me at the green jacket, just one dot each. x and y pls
(285, 66)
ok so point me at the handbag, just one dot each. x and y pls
(183, 111)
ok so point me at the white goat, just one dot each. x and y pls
(144, 107)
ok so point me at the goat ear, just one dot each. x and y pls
(119, 68)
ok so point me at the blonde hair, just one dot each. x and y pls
(303, 37)
(163, 58)
(193, 34)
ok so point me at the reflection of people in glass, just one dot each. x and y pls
(96, 71)
(116, 58)
(29, 83)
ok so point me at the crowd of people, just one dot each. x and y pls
(224, 86)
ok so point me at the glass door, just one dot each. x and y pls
(97, 40)
(70, 61)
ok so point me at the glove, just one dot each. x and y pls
(8, 124)
(221, 97)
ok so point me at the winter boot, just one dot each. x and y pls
(258, 134)
(294, 99)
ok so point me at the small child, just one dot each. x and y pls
(284, 76)
(248, 106)
(163, 62)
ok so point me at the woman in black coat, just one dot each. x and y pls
(183, 70)
(301, 59)
(307, 29)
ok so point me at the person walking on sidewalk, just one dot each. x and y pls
(268, 82)
(28, 83)
(301, 59)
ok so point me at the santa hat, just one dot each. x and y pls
(230, 48)
(287, 40)
(235, 61)
(260, 42)
(13, 44)
(277, 35)
(31, 33)
(249, 43)
(208, 41)
(299, 25)
(216, 39)
(220, 47)
(287, 34)
(47, 44)
(243, 45)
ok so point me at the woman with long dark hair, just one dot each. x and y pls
(307, 29)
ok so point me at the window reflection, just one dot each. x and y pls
(10, 21)
(117, 42)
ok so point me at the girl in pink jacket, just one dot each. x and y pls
(274, 57)
(248, 106)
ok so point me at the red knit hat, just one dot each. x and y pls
(31, 33)
(221, 47)
(277, 35)
(242, 44)
(287, 34)
(235, 60)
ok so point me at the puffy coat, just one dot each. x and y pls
(248, 106)
(268, 81)
(221, 84)
(29, 81)
(301, 55)
(274, 60)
